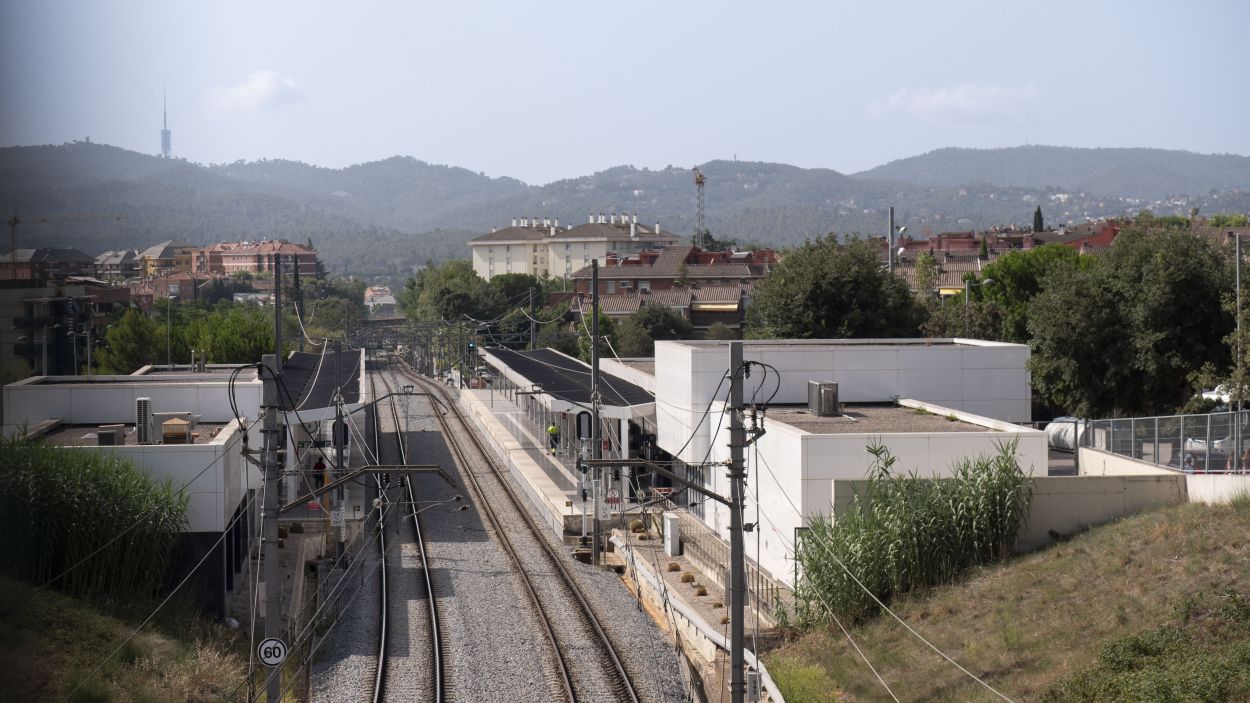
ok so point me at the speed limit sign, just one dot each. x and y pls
(271, 652)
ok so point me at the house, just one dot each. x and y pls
(542, 248)
(172, 254)
(51, 328)
(380, 302)
(118, 265)
(45, 264)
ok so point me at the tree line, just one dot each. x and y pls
(1136, 330)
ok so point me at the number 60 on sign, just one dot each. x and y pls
(271, 652)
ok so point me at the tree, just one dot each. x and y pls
(514, 288)
(1129, 334)
(448, 292)
(984, 252)
(720, 330)
(1039, 225)
(1018, 277)
(638, 334)
(237, 335)
(1227, 219)
(827, 290)
(927, 272)
(607, 328)
(131, 343)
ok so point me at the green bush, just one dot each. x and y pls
(906, 533)
(58, 506)
(1203, 656)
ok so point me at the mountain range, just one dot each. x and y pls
(385, 217)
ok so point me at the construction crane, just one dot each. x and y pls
(701, 235)
(14, 221)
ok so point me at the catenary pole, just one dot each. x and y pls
(269, 517)
(737, 575)
(596, 447)
(339, 432)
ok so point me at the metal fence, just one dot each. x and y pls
(1211, 443)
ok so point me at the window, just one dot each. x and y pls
(644, 285)
(610, 286)
(627, 284)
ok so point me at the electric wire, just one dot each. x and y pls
(209, 552)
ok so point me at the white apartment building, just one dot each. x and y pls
(541, 248)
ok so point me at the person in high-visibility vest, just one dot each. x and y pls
(553, 437)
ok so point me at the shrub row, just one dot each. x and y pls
(59, 505)
(905, 533)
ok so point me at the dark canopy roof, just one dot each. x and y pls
(569, 379)
(309, 388)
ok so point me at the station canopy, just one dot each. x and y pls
(565, 378)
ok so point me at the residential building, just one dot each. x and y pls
(542, 248)
(380, 302)
(677, 266)
(118, 265)
(256, 257)
(51, 327)
(169, 255)
(45, 264)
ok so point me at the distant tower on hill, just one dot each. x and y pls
(164, 128)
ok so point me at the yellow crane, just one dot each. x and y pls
(14, 221)
(701, 235)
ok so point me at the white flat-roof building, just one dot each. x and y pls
(930, 402)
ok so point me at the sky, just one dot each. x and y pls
(543, 91)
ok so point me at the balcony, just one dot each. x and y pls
(34, 322)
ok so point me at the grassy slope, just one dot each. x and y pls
(51, 642)
(1024, 625)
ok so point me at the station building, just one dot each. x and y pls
(193, 425)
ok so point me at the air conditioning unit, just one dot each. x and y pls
(822, 398)
(110, 435)
(145, 432)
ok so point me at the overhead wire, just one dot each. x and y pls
(209, 552)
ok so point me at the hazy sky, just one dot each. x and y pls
(548, 90)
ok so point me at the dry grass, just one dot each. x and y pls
(51, 642)
(1029, 622)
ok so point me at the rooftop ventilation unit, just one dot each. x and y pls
(144, 432)
(822, 398)
(110, 435)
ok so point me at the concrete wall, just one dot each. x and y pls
(1095, 462)
(1200, 488)
(988, 379)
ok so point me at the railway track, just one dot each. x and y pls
(601, 674)
(402, 676)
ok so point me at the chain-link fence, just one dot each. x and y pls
(1211, 443)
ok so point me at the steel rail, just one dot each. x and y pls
(623, 678)
(436, 649)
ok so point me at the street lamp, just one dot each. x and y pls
(968, 284)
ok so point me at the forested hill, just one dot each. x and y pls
(1150, 174)
(391, 215)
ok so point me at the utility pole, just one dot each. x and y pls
(890, 241)
(737, 572)
(277, 306)
(339, 427)
(299, 300)
(269, 515)
(532, 317)
(596, 446)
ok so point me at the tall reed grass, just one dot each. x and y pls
(57, 506)
(904, 533)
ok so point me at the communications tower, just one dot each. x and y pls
(164, 127)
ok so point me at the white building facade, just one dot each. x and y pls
(542, 248)
(983, 386)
